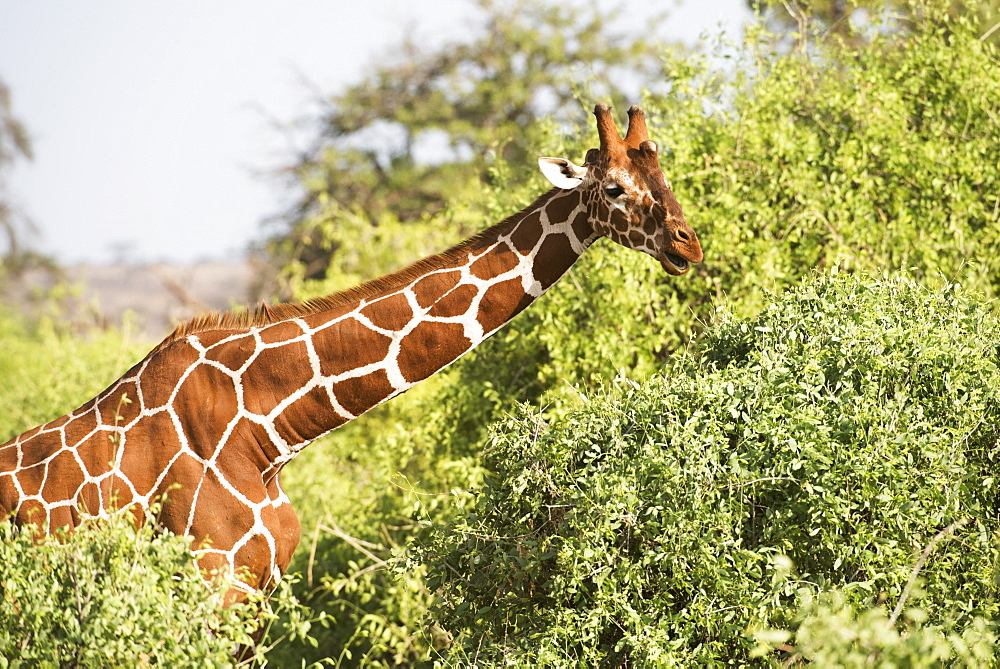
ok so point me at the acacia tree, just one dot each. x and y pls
(14, 145)
(425, 125)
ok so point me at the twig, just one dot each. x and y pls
(920, 564)
(312, 556)
(989, 32)
(360, 545)
(762, 480)
(409, 487)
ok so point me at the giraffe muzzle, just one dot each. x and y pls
(674, 264)
(680, 251)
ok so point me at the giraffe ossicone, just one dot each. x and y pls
(209, 417)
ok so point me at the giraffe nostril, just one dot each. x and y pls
(682, 235)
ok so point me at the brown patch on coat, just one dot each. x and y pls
(307, 417)
(361, 393)
(390, 313)
(233, 354)
(554, 258)
(429, 347)
(121, 406)
(502, 260)
(455, 303)
(430, 288)
(160, 377)
(348, 345)
(280, 332)
(501, 302)
(270, 372)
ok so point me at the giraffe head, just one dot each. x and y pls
(627, 197)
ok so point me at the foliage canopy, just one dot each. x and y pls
(819, 446)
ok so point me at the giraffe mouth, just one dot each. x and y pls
(674, 264)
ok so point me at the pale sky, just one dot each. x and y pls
(152, 121)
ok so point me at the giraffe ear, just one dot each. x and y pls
(561, 172)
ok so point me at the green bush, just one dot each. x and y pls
(821, 445)
(111, 595)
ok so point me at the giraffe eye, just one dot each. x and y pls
(614, 190)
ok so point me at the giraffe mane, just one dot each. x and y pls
(265, 314)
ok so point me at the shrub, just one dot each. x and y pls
(819, 446)
(112, 595)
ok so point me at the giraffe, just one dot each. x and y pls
(208, 419)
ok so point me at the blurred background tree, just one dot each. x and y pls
(426, 125)
(841, 18)
(15, 226)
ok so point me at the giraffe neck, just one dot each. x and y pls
(315, 372)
